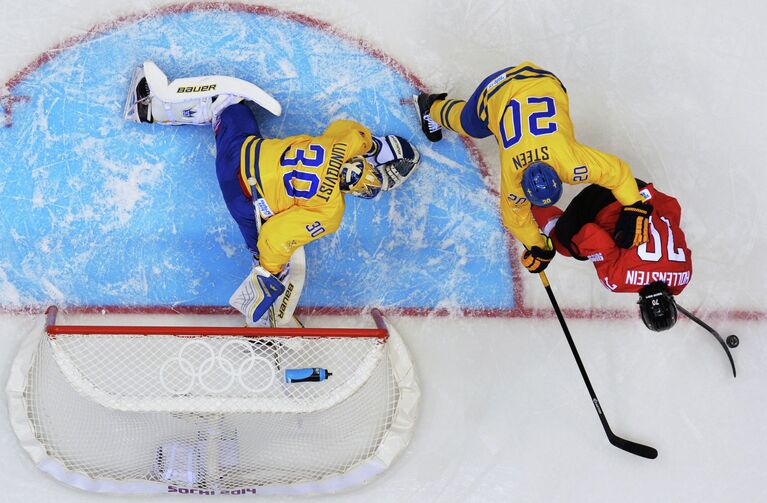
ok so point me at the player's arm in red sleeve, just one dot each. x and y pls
(592, 240)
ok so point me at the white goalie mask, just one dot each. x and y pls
(359, 178)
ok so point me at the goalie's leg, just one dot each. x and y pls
(193, 100)
(143, 103)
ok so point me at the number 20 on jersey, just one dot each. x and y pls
(538, 122)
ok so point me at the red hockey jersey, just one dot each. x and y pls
(665, 257)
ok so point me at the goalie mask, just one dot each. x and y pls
(657, 306)
(360, 179)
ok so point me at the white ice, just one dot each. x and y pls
(674, 88)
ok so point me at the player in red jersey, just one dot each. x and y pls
(658, 269)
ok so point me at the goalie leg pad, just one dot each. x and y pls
(286, 304)
(194, 100)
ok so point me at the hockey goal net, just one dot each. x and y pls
(209, 410)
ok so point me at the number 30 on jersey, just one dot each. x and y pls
(300, 183)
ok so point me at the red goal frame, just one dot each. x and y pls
(52, 329)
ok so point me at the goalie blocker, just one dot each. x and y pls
(261, 291)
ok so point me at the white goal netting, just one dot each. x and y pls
(214, 413)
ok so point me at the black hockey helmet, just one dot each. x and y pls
(657, 306)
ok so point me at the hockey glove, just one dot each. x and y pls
(537, 259)
(395, 158)
(633, 225)
(256, 294)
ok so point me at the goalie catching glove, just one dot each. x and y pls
(536, 259)
(633, 225)
(386, 166)
(395, 158)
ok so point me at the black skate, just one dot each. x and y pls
(431, 129)
(143, 99)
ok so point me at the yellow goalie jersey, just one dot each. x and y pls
(297, 179)
(527, 110)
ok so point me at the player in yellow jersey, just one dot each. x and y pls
(526, 109)
(282, 192)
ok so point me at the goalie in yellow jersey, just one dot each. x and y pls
(526, 109)
(282, 192)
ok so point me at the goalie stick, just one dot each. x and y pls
(621, 443)
(249, 296)
(256, 295)
(733, 338)
(254, 196)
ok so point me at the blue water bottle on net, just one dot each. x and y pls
(311, 374)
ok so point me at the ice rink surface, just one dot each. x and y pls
(677, 91)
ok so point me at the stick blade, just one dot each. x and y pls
(644, 451)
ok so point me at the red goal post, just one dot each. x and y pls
(210, 410)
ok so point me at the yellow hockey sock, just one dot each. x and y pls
(447, 113)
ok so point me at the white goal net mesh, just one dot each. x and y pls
(215, 415)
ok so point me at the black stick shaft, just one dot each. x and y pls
(574, 350)
(627, 445)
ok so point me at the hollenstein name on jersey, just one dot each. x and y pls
(672, 279)
(333, 173)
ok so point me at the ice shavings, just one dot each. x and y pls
(9, 293)
(125, 187)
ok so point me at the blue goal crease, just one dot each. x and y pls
(99, 211)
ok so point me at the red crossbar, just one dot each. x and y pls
(53, 330)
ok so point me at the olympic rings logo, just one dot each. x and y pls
(198, 364)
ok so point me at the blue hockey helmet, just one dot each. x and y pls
(541, 184)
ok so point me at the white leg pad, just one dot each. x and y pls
(192, 88)
(191, 100)
(285, 305)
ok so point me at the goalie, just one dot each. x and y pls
(296, 184)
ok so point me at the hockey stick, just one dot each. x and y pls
(294, 282)
(250, 294)
(732, 339)
(254, 198)
(621, 443)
